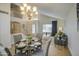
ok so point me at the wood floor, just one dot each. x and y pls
(53, 50)
(58, 50)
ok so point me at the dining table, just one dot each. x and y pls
(30, 48)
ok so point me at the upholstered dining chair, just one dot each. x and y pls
(8, 52)
(17, 38)
(39, 36)
(4, 51)
(47, 48)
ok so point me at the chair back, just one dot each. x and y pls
(8, 52)
(39, 36)
(47, 48)
(17, 37)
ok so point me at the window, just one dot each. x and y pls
(47, 28)
(33, 28)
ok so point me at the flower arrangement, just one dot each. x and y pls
(29, 37)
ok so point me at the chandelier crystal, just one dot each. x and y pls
(29, 11)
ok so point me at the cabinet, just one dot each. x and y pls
(15, 27)
(61, 40)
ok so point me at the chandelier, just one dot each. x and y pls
(29, 11)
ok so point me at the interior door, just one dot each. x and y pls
(54, 28)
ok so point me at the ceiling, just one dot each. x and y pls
(57, 10)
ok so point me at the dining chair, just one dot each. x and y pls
(8, 52)
(39, 36)
(17, 38)
(47, 48)
(4, 51)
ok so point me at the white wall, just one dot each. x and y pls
(5, 25)
(60, 23)
(43, 19)
(71, 31)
